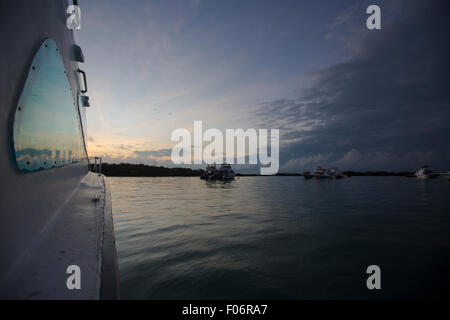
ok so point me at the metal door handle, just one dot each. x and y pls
(85, 81)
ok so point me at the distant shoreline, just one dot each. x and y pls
(142, 170)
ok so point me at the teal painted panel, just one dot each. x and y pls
(47, 130)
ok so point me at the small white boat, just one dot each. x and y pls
(335, 173)
(444, 174)
(209, 173)
(223, 173)
(319, 174)
(425, 173)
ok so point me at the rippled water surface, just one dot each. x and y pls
(281, 237)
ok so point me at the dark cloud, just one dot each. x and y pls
(388, 107)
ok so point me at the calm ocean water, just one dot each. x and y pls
(281, 237)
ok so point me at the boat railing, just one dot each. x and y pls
(96, 164)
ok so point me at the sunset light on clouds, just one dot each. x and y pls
(232, 64)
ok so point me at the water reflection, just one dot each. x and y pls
(227, 184)
(47, 130)
(280, 237)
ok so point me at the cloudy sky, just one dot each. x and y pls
(341, 95)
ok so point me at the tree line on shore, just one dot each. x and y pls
(142, 170)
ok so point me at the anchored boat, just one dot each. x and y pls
(335, 173)
(425, 173)
(444, 174)
(223, 173)
(320, 173)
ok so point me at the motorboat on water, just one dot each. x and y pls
(321, 173)
(335, 173)
(425, 173)
(318, 174)
(444, 174)
(209, 172)
(223, 173)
